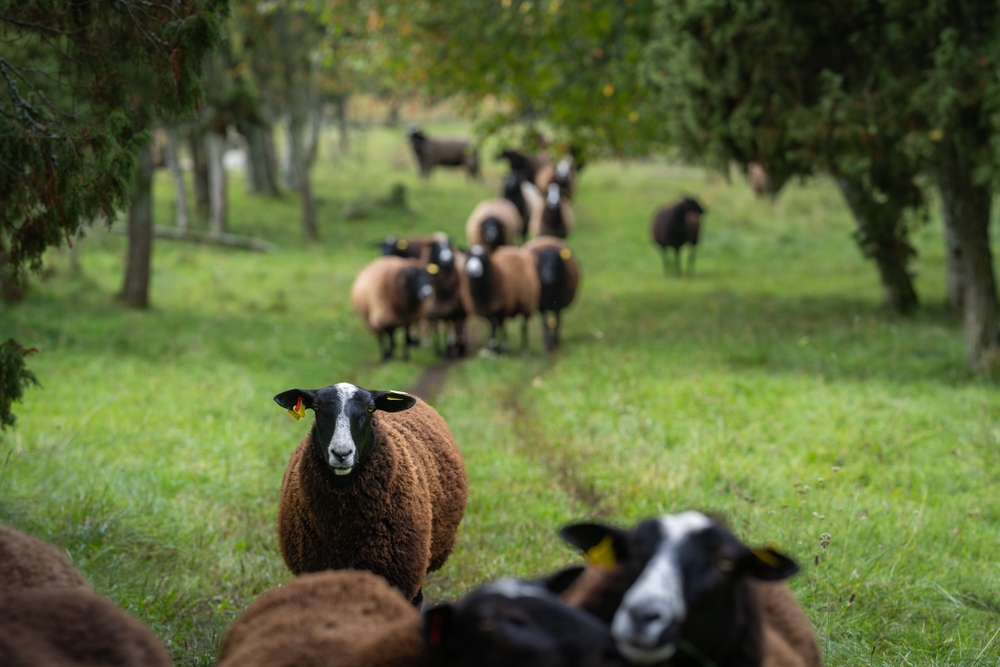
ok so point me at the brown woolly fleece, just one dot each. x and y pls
(72, 627)
(786, 636)
(501, 209)
(542, 219)
(513, 288)
(342, 618)
(27, 562)
(547, 174)
(379, 296)
(397, 516)
(572, 268)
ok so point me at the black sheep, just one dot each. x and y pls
(675, 226)
(443, 151)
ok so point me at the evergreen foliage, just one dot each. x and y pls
(14, 379)
(81, 80)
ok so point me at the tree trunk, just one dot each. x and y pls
(967, 206)
(295, 149)
(11, 284)
(180, 191)
(199, 172)
(340, 107)
(262, 172)
(954, 285)
(135, 290)
(882, 238)
(215, 148)
(308, 205)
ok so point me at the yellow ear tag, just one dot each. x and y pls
(396, 395)
(402, 244)
(298, 411)
(602, 555)
(767, 557)
(565, 253)
(432, 269)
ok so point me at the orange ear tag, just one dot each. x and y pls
(298, 411)
(565, 253)
(602, 555)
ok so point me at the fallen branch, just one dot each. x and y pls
(228, 240)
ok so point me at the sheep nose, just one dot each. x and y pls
(642, 616)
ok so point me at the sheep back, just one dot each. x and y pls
(670, 227)
(569, 262)
(70, 627)
(397, 518)
(513, 290)
(789, 638)
(344, 618)
(503, 210)
(379, 298)
(27, 562)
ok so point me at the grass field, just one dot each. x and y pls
(771, 387)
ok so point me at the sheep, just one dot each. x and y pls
(27, 562)
(524, 195)
(521, 162)
(500, 285)
(675, 226)
(684, 588)
(443, 266)
(68, 627)
(562, 174)
(558, 277)
(555, 218)
(389, 293)
(407, 248)
(444, 151)
(493, 223)
(378, 484)
(342, 618)
(511, 622)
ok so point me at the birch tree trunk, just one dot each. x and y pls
(215, 146)
(199, 172)
(135, 289)
(180, 190)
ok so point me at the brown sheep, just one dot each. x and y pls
(500, 285)
(392, 293)
(562, 174)
(442, 151)
(378, 484)
(683, 588)
(408, 248)
(676, 225)
(27, 562)
(559, 278)
(493, 223)
(72, 627)
(555, 218)
(524, 195)
(341, 618)
(443, 261)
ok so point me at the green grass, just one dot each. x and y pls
(772, 387)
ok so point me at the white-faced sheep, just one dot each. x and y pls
(338, 618)
(70, 627)
(555, 218)
(675, 226)
(524, 195)
(683, 588)
(27, 562)
(511, 622)
(378, 484)
(493, 223)
(443, 262)
(392, 293)
(558, 278)
(442, 151)
(500, 285)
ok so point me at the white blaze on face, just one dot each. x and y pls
(342, 453)
(445, 255)
(552, 196)
(656, 600)
(562, 169)
(474, 267)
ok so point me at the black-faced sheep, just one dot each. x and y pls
(555, 218)
(70, 627)
(409, 248)
(442, 151)
(392, 293)
(443, 261)
(378, 484)
(27, 562)
(500, 285)
(524, 195)
(493, 223)
(523, 163)
(336, 618)
(511, 622)
(683, 588)
(558, 278)
(675, 226)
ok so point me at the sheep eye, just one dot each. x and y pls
(371, 409)
(487, 624)
(725, 564)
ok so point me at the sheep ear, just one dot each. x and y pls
(393, 401)
(290, 399)
(438, 621)
(768, 564)
(559, 581)
(604, 546)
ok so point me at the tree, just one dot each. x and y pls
(14, 379)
